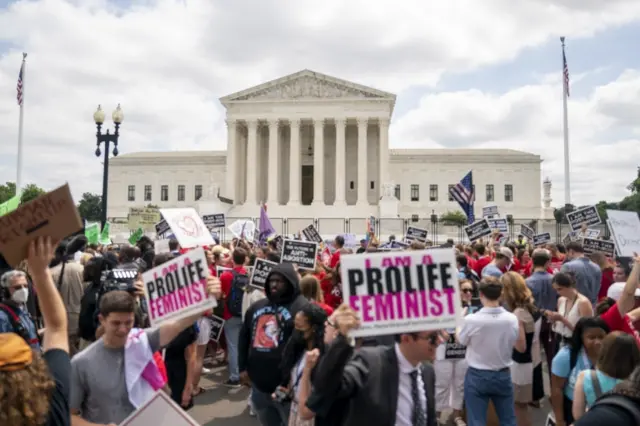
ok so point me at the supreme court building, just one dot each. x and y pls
(311, 146)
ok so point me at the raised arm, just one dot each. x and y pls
(627, 298)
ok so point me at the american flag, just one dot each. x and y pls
(464, 194)
(19, 87)
(565, 71)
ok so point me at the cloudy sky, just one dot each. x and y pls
(468, 74)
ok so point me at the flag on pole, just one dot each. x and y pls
(19, 87)
(565, 70)
(266, 228)
(464, 194)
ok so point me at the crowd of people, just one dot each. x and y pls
(69, 333)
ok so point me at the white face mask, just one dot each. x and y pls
(21, 295)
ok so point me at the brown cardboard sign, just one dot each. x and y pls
(51, 215)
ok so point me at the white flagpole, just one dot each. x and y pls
(565, 119)
(20, 130)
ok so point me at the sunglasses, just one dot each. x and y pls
(466, 290)
(432, 338)
(330, 324)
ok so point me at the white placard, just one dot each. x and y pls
(161, 246)
(160, 410)
(402, 292)
(178, 288)
(625, 229)
(188, 227)
(243, 229)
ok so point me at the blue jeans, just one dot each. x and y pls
(268, 411)
(232, 328)
(482, 386)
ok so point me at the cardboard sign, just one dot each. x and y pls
(162, 227)
(477, 230)
(499, 224)
(416, 234)
(541, 239)
(160, 410)
(527, 232)
(490, 211)
(402, 292)
(53, 214)
(178, 288)
(311, 234)
(217, 325)
(261, 269)
(188, 227)
(584, 216)
(625, 230)
(591, 245)
(302, 253)
(214, 221)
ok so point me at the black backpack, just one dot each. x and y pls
(16, 325)
(620, 401)
(87, 320)
(239, 284)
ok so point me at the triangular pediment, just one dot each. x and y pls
(309, 85)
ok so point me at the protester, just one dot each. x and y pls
(571, 307)
(14, 315)
(588, 275)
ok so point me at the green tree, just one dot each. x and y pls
(634, 186)
(454, 218)
(29, 192)
(152, 206)
(90, 207)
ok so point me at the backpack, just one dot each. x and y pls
(620, 401)
(16, 325)
(239, 284)
(87, 324)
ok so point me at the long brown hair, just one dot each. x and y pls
(515, 292)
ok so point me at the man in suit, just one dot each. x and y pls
(376, 386)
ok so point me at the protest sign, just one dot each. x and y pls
(499, 224)
(135, 236)
(261, 269)
(541, 239)
(92, 232)
(490, 211)
(105, 234)
(478, 230)
(416, 234)
(585, 216)
(243, 229)
(188, 227)
(625, 230)
(143, 217)
(592, 245)
(161, 246)
(214, 221)
(216, 325)
(571, 236)
(311, 234)
(162, 227)
(53, 214)
(591, 233)
(402, 292)
(453, 349)
(159, 410)
(527, 232)
(302, 253)
(178, 288)
(10, 205)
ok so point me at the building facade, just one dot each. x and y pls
(310, 146)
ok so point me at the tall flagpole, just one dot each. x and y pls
(565, 119)
(20, 128)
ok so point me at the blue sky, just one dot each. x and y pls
(487, 78)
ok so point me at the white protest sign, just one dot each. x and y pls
(159, 410)
(402, 292)
(243, 229)
(625, 230)
(161, 246)
(188, 227)
(178, 288)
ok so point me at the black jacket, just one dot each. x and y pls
(266, 329)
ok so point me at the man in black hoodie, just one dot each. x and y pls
(267, 326)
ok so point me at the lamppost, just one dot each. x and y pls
(106, 138)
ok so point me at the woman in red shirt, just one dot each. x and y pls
(621, 317)
(310, 289)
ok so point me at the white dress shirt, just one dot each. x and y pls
(404, 412)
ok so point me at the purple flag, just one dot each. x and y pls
(266, 228)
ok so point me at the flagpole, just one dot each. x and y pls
(565, 120)
(20, 131)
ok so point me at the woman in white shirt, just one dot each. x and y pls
(571, 307)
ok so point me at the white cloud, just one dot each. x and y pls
(168, 61)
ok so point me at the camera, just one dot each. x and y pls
(118, 279)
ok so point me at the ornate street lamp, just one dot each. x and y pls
(107, 138)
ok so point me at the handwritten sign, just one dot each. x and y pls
(416, 234)
(188, 227)
(592, 245)
(625, 229)
(243, 229)
(159, 410)
(541, 239)
(216, 325)
(499, 224)
(53, 214)
(302, 253)
(477, 230)
(178, 288)
(261, 270)
(311, 234)
(214, 221)
(402, 292)
(584, 216)
(527, 231)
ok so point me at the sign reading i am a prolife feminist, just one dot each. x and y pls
(178, 289)
(402, 292)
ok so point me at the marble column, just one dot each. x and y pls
(252, 162)
(294, 164)
(362, 161)
(232, 170)
(383, 124)
(273, 166)
(318, 161)
(341, 128)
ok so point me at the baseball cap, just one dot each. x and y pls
(506, 252)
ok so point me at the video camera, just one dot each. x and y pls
(118, 279)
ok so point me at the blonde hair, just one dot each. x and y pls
(515, 292)
(310, 288)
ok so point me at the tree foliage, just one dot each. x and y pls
(90, 207)
(454, 218)
(29, 192)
